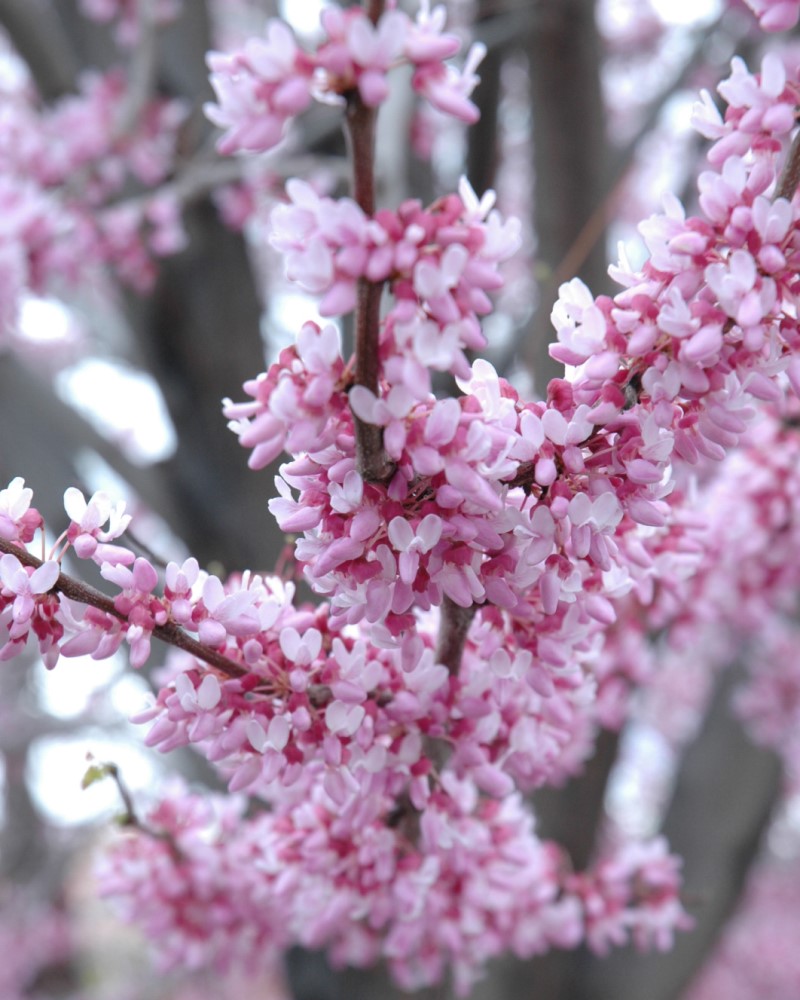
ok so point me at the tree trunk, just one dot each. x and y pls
(721, 806)
(569, 151)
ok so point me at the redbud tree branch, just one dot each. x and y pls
(170, 633)
(373, 463)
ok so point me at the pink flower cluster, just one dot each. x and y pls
(769, 700)
(294, 405)
(738, 590)
(535, 512)
(528, 506)
(633, 893)
(457, 884)
(271, 80)
(760, 113)
(19, 522)
(439, 263)
(61, 168)
(298, 712)
(25, 604)
(25, 600)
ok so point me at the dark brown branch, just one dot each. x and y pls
(373, 463)
(790, 177)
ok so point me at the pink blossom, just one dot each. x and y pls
(447, 89)
(142, 609)
(294, 404)
(179, 587)
(259, 89)
(270, 80)
(88, 518)
(555, 532)
(425, 41)
(633, 892)
(88, 631)
(358, 53)
(18, 520)
(579, 324)
(25, 604)
(227, 613)
(26, 586)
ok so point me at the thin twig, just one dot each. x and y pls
(130, 817)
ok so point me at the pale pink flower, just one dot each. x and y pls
(88, 519)
(409, 542)
(300, 649)
(25, 604)
(227, 613)
(25, 586)
(425, 41)
(447, 89)
(18, 520)
(258, 89)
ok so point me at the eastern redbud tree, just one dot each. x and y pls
(488, 570)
